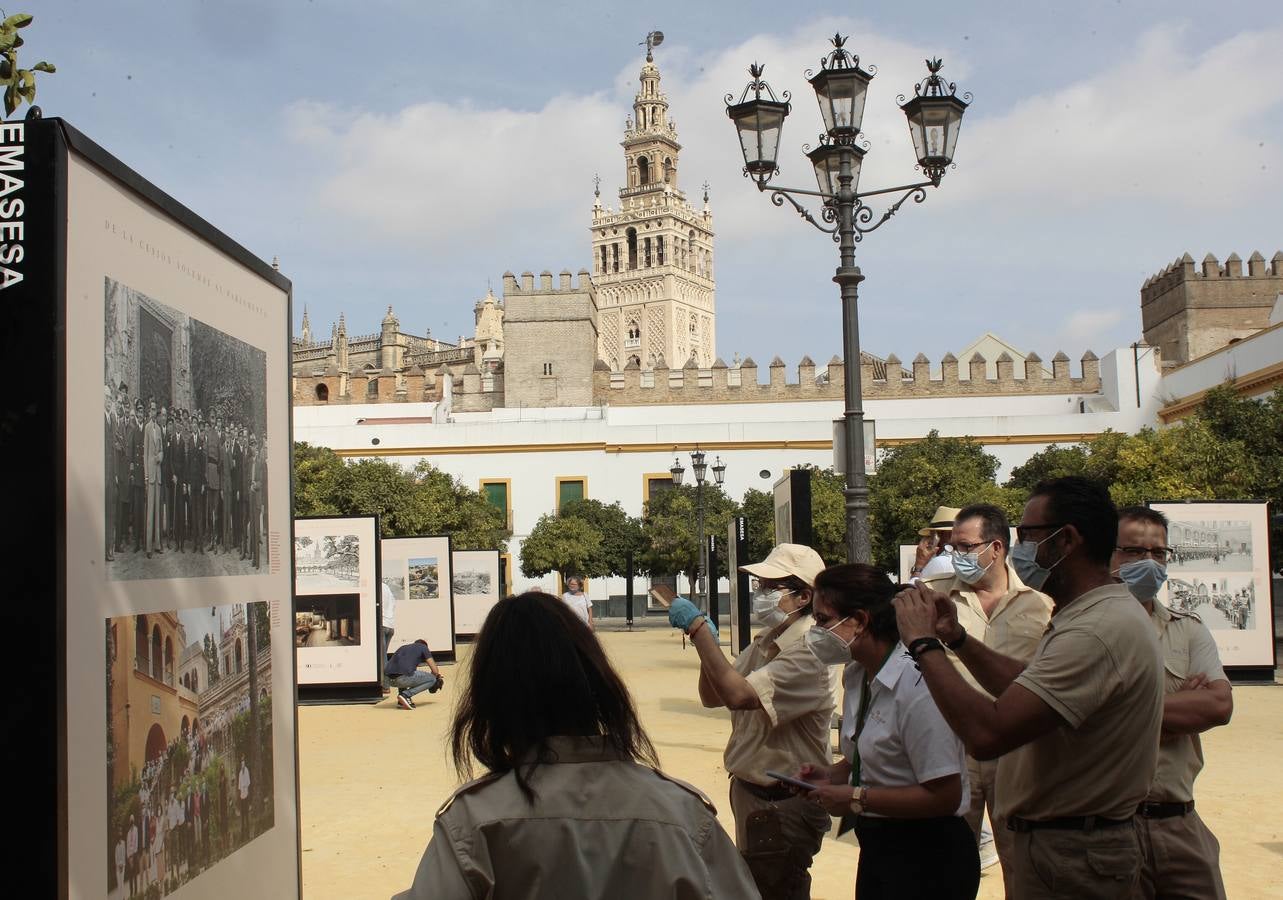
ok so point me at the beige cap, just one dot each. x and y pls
(942, 520)
(788, 559)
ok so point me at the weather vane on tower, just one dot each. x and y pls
(653, 40)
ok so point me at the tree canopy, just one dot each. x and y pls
(408, 503)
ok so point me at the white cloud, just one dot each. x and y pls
(1087, 324)
(1169, 124)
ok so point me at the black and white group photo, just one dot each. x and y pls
(332, 561)
(327, 620)
(1221, 601)
(1213, 546)
(189, 743)
(185, 444)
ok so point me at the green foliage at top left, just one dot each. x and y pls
(420, 501)
(19, 84)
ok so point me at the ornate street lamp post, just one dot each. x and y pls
(935, 116)
(699, 465)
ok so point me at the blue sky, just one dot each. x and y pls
(407, 153)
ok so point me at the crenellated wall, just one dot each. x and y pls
(879, 379)
(1189, 310)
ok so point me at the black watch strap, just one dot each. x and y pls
(924, 645)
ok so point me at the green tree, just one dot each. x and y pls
(1053, 462)
(671, 530)
(559, 544)
(621, 536)
(408, 503)
(19, 84)
(318, 475)
(913, 479)
(758, 507)
(828, 515)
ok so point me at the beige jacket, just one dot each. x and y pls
(600, 826)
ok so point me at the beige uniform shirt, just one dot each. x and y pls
(600, 826)
(1188, 649)
(798, 694)
(1013, 629)
(1098, 667)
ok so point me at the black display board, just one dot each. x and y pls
(159, 613)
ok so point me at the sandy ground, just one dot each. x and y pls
(373, 777)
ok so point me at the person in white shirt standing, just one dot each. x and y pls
(578, 601)
(903, 783)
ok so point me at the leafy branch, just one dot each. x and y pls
(19, 84)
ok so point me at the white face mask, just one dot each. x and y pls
(1143, 578)
(1024, 557)
(766, 606)
(967, 566)
(828, 647)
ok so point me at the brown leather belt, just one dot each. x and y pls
(1150, 810)
(1068, 823)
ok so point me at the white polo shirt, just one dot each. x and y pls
(906, 740)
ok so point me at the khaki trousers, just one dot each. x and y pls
(779, 845)
(1047, 864)
(1180, 858)
(983, 776)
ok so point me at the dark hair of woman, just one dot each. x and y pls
(853, 588)
(538, 672)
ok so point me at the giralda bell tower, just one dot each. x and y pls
(653, 259)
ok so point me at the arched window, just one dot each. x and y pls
(157, 661)
(634, 359)
(195, 681)
(634, 330)
(183, 728)
(240, 660)
(322, 393)
(372, 389)
(632, 248)
(142, 659)
(659, 250)
(169, 662)
(603, 268)
(646, 246)
(616, 249)
(693, 323)
(156, 743)
(670, 171)
(643, 170)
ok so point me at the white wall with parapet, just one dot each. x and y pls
(1261, 351)
(614, 448)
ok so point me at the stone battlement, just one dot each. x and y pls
(567, 284)
(880, 380)
(1185, 269)
(1188, 310)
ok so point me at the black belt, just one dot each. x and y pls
(772, 794)
(1149, 810)
(1068, 823)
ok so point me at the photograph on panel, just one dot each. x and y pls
(332, 561)
(185, 444)
(189, 743)
(1222, 601)
(327, 620)
(424, 581)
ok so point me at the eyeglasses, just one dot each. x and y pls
(1022, 531)
(964, 547)
(1162, 555)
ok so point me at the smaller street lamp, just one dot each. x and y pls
(935, 116)
(759, 123)
(719, 470)
(677, 471)
(840, 87)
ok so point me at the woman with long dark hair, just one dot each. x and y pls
(903, 781)
(571, 804)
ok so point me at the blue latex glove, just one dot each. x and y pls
(682, 614)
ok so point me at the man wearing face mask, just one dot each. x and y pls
(1000, 611)
(1077, 727)
(781, 699)
(1180, 855)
